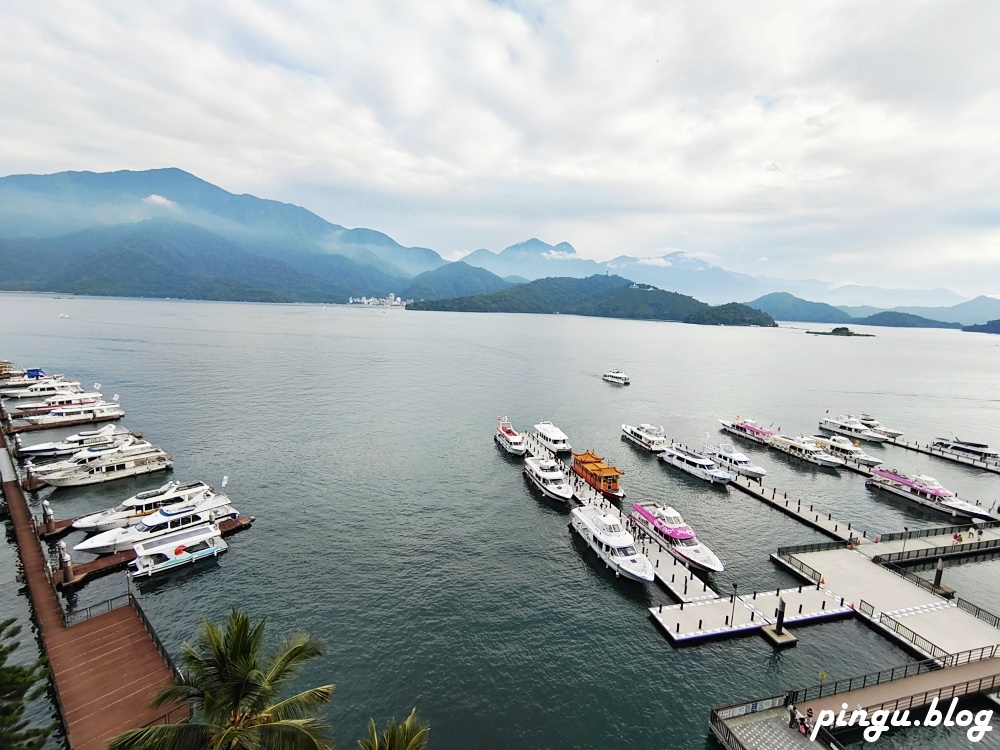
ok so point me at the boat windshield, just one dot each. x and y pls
(120, 508)
(624, 551)
(686, 542)
(614, 528)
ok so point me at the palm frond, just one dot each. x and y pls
(164, 737)
(303, 704)
(296, 734)
(412, 734)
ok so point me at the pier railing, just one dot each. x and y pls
(925, 552)
(938, 531)
(972, 687)
(866, 609)
(915, 579)
(890, 675)
(152, 634)
(80, 615)
(721, 713)
(979, 612)
(910, 637)
(800, 566)
(787, 555)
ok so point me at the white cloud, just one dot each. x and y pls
(659, 262)
(819, 133)
(561, 255)
(762, 259)
(159, 201)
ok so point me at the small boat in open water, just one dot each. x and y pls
(616, 376)
(175, 550)
(599, 475)
(665, 525)
(604, 533)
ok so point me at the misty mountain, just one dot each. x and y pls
(903, 320)
(58, 204)
(784, 306)
(453, 280)
(980, 310)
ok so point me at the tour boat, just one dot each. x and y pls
(875, 426)
(510, 439)
(17, 379)
(184, 547)
(850, 427)
(548, 476)
(102, 411)
(727, 457)
(89, 456)
(747, 428)
(604, 532)
(977, 451)
(804, 448)
(665, 525)
(616, 376)
(645, 436)
(695, 464)
(599, 475)
(838, 445)
(107, 435)
(552, 437)
(135, 508)
(926, 491)
(164, 521)
(58, 401)
(109, 467)
(42, 388)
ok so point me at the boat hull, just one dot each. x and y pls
(145, 571)
(581, 528)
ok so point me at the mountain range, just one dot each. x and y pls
(203, 240)
(784, 306)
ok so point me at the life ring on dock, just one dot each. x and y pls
(179, 550)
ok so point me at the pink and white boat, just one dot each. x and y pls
(926, 491)
(668, 529)
(510, 439)
(58, 401)
(749, 429)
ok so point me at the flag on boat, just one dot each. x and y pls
(115, 398)
(97, 386)
(225, 480)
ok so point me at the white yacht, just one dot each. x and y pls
(838, 445)
(164, 521)
(127, 446)
(57, 401)
(977, 451)
(727, 457)
(926, 491)
(107, 435)
(646, 436)
(616, 376)
(102, 411)
(137, 507)
(114, 465)
(804, 448)
(510, 439)
(665, 525)
(875, 426)
(747, 428)
(604, 532)
(174, 550)
(552, 437)
(695, 464)
(850, 427)
(42, 388)
(549, 477)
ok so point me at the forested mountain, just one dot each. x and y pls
(454, 280)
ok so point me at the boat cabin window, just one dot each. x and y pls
(687, 542)
(152, 529)
(626, 551)
(202, 545)
(159, 557)
(614, 528)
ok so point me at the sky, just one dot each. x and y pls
(848, 141)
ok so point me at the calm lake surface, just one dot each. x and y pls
(391, 527)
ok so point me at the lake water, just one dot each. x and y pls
(391, 527)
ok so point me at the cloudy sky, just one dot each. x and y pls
(850, 141)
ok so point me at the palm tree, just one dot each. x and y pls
(233, 685)
(410, 735)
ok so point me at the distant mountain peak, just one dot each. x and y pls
(536, 246)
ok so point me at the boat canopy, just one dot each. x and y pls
(35, 372)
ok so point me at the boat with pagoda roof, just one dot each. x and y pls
(601, 476)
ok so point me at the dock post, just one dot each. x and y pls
(938, 572)
(65, 563)
(781, 616)
(47, 517)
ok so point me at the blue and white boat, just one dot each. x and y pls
(176, 550)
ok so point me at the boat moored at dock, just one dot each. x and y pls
(107, 435)
(926, 491)
(695, 464)
(727, 457)
(552, 437)
(508, 438)
(665, 526)
(603, 532)
(58, 401)
(850, 427)
(177, 549)
(875, 426)
(646, 436)
(616, 376)
(747, 428)
(549, 477)
(976, 451)
(130, 461)
(137, 507)
(841, 447)
(806, 449)
(601, 476)
(102, 411)
(41, 388)
(164, 521)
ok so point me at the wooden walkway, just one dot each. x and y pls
(927, 450)
(106, 668)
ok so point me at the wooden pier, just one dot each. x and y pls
(957, 458)
(106, 663)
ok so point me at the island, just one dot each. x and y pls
(992, 326)
(841, 331)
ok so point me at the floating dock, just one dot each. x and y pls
(957, 458)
